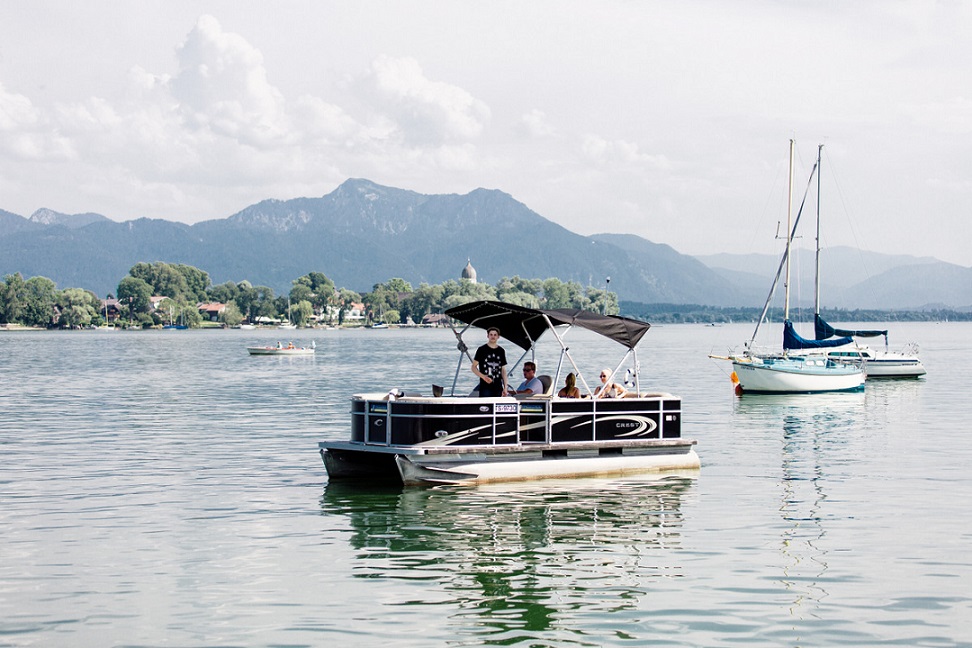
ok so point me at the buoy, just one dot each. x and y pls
(734, 378)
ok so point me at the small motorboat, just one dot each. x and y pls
(283, 350)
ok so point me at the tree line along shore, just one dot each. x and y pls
(159, 294)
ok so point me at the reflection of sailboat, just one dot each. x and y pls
(811, 429)
(785, 372)
(802, 498)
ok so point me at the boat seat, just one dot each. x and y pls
(655, 395)
(547, 383)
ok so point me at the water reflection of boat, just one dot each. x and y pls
(527, 514)
(436, 439)
(809, 431)
(802, 502)
(526, 554)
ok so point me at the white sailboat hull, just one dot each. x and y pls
(890, 367)
(881, 364)
(796, 376)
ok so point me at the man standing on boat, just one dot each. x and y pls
(489, 364)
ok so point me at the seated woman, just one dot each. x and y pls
(570, 389)
(609, 389)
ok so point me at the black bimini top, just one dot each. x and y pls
(523, 326)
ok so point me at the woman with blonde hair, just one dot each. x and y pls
(570, 389)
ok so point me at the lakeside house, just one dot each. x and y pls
(211, 310)
(111, 309)
(435, 319)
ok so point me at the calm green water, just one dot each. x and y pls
(164, 489)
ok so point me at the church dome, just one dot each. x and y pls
(469, 272)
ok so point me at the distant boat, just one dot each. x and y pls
(290, 322)
(881, 363)
(792, 372)
(172, 325)
(281, 350)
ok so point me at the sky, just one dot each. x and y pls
(666, 119)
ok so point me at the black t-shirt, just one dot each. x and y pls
(491, 363)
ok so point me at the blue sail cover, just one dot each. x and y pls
(792, 340)
(822, 330)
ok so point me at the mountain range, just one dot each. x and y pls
(363, 233)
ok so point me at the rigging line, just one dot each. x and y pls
(780, 170)
(850, 223)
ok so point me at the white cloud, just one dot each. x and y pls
(536, 124)
(16, 111)
(601, 152)
(24, 133)
(325, 123)
(427, 112)
(222, 86)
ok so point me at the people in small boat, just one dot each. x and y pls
(489, 365)
(570, 389)
(279, 346)
(531, 384)
(608, 389)
(290, 345)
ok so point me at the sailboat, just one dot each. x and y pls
(788, 372)
(290, 320)
(877, 363)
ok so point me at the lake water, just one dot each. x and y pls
(163, 488)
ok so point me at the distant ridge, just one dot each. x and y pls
(73, 221)
(363, 233)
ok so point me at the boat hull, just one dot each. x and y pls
(274, 351)
(892, 368)
(796, 376)
(425, 440)
(533, 464)
(882, 364)
(481, 465)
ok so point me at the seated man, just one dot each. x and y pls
(531, 385)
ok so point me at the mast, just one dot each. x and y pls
(816, 276)
(789, 239)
